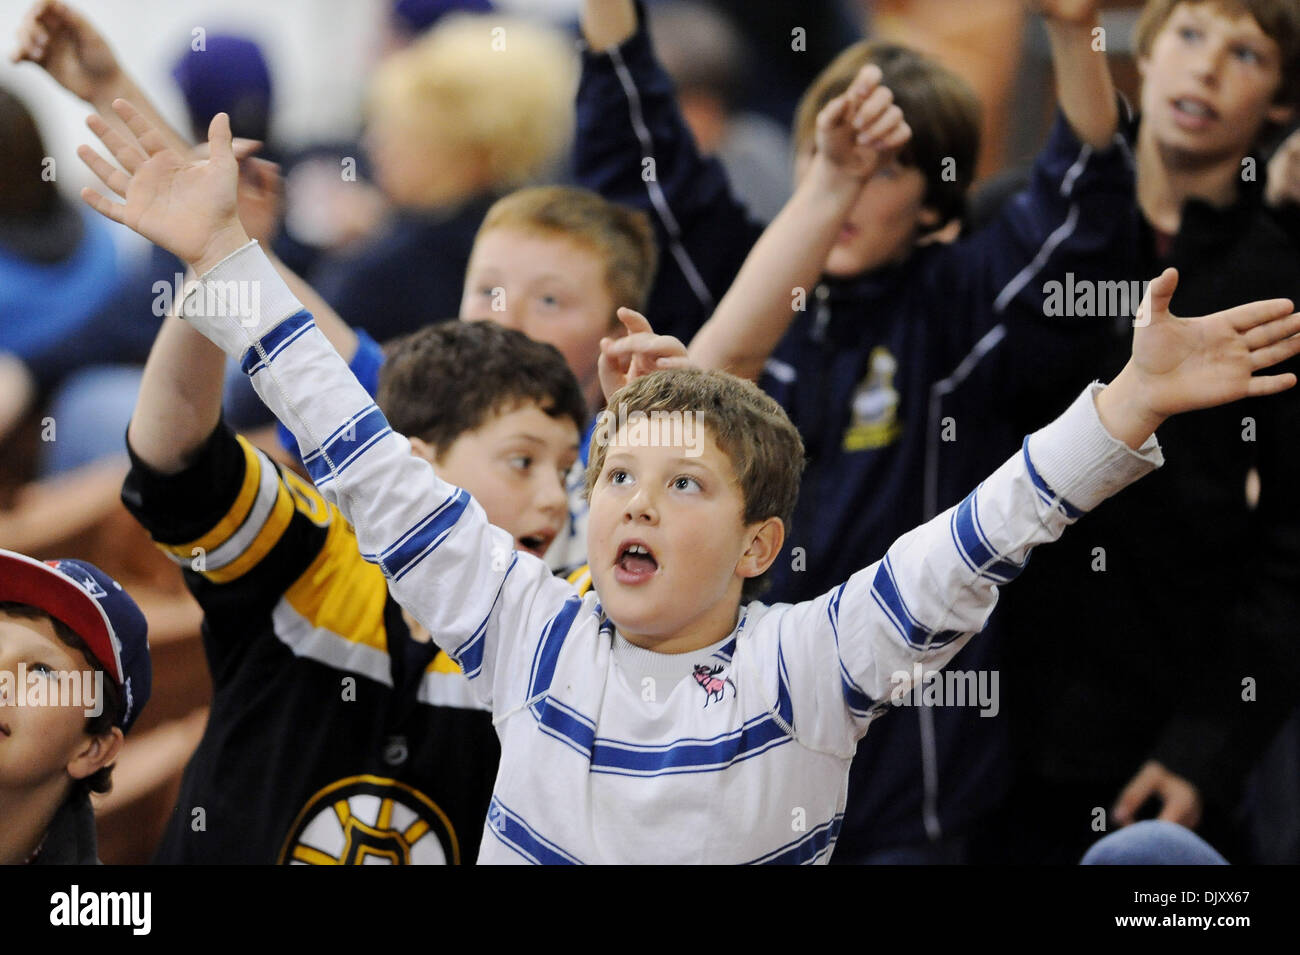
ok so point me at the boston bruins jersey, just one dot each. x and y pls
(334, 736)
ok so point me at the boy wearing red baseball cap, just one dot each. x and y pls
(74, 675)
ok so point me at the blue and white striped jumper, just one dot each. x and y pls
(591, 770)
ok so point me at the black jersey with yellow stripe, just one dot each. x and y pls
(334, 736)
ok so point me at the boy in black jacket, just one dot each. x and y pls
(1192, 659)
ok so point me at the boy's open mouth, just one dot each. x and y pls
(538, 543)
(635, 563)
(1193, 111)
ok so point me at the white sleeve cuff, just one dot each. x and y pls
(239, 300)
(1081, 462)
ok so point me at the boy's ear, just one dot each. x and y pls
(96, 753)
(765, 542)
(423, 449)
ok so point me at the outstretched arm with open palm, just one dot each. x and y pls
(1182, 364)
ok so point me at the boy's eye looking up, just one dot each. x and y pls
(688, 481)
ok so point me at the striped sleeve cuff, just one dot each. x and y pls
(1076, 462)
(239, 300)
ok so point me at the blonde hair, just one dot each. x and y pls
(747, 425)
(498, 89)
(621, 236)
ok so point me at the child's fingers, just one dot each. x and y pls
(832, 114)
(1155, 305)
(243, 148)
(110, 210)
(1252, 314)
(1267, 357)
(633, 321)
(646, 343)
(873, 107)
(220, 139)
(674, 361)
(150, 140)
(883, 127)
(108, 174)
(661, 349)
(898, 138)
(1267, 333)
(614, 358)
(27, 47)
(1261, 386)
(867, 79)
(125, 153)
(261, 174)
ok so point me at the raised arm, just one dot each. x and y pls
(76, 55)
(1084, 87)
(856, 133)
(608, 23)
(70, 49)
(459, 576)
(632, 146)
(938, 584)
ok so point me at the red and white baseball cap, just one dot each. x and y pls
(96, 608)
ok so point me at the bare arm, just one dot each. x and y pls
(855, 133)
(70, 49)
(757, 310)
(1084, 86)
(607, 23)
(180, 398)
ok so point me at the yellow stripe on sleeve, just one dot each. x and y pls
(266, 538)
(234, 517)
(340, 592)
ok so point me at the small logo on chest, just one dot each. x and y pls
(713, 685)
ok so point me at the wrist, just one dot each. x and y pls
(116, 85)
(221, 244)
(1126, 410)
(827, 179)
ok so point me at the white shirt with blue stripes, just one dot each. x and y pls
(745, 758)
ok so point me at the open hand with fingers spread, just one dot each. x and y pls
(637, 353)
(186, 205)
(1182, 364)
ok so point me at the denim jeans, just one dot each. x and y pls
(1152, 842)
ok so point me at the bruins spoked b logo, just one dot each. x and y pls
(369, 820)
